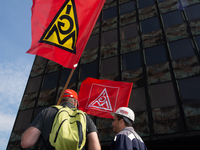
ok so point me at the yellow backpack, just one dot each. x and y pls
(69, 129)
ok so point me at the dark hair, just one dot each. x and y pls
(128, 122)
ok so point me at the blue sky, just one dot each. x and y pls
(15, 63)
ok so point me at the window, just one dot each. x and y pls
(193, 12)
(131, 61)
(198, 40)
(150, 25)
(109, 37)
(33, 84)
(145, 3)
(172, 18)
(155, 55)
(189, 89)
(65, 76)
(89, 70)
(127, 7)
(50, 81)
(162, 95)
(93, 42)
(110, 13)
(129, 31)
(138, 100)
(109, 66)
(182, 48)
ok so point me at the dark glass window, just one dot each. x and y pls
(155, 55)
(149, 25)
(172, 18)
(189, 89)
(89, 70)
(129, 31)
(65, 74)
(145, 3)
(138, 100)
(193, 12)
(127, 7)
(109, 37)
(33, 84)
(109, 66)
(131, 61)
(110, 13)
(93, 42)
(198, 40)
(50, 81)
(182, 48)
(162, 95)
(162, 0)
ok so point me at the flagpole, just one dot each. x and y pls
(69, 78)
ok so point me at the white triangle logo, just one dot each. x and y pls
(102, 101)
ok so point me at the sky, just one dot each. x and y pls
(15, 63)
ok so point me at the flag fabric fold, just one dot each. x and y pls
(61, 29)
(101, 97)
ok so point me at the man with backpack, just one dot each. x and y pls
(126, 138)
(62, 127)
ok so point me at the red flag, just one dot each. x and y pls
(101, 97)
(61, 28)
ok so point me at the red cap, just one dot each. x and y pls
(70, 93)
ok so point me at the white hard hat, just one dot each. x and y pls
(126, 112)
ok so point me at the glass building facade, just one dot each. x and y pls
(152, 43)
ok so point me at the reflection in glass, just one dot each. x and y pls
(162, 95)
(109, 66)
(127, 7)
(93, 42)
(110, 13)
(182, 48)
(155, 55)
(131, 61)
(189, 89)
(109, 37)
(150, 25)
(172, 18)
(145, 3)
(129, 31)
(89, 70)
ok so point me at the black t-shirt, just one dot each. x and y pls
(45, 118)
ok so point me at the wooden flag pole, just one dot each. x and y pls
(61, 95)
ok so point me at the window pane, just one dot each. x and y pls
(198, 40)
(110, 13)
(189, 89)
(172, 18)
(162, 95)
(109, 66)
(182, 48)
(127, 7)
(155, 55)
(145, 3)
(137, 100)
(193, 12)
(150, 25)
(93, 42)
(33, 84)
(129, 31)
(131, 61)
(109, 37)
(89, 70)
(50, 81)
(65, 75)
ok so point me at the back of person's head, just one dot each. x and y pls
(69, 96)
(126, 114)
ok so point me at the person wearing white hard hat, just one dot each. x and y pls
(126, 138)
